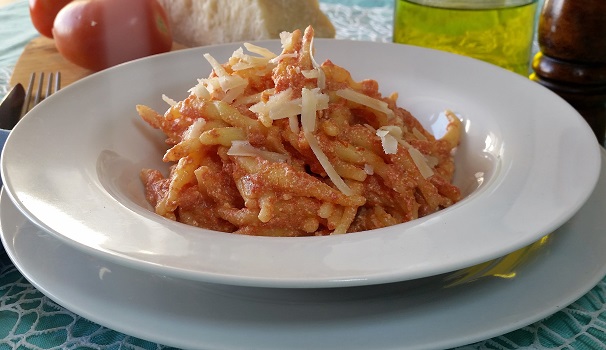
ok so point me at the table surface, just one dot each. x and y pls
(30, 320)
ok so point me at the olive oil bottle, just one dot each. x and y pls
(499, 32)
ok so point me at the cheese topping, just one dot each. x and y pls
(391, 136)
(259, 50)
(286, 40)
(321, 75)
(419, 159)
(278, 106)
(388, 141)
(200, 90)
(369, 169)
(247, 61)
(217, 67)
(169, 100)
(280, 145)
(281, 56)
(365, 100)
(312, 101)
(323, 159)
(245, 149)
(283, 105)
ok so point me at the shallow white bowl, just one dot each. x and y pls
(527, 162)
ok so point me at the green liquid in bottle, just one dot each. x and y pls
(502, 36)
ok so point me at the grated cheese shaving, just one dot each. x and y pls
(278, 106)
(312, 100)
(200, 90)
(232, 85)
(262, 51)
(388, 141)
(286, 40)
(250, 99)
(195, 129)
(293, 123)
(212, 84)
(391, 136)
(369, 169)
(310, 73)
(321, 75)
(234, 92)
(245, 149)
(323, 159)
(419, 160)
(231, 82)
(365, 100)
(418, 134)
(169, 100)
(282, 56)
(217, 67)
(248, 61)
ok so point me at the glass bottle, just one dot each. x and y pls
(497, 31)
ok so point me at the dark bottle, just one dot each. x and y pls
(572, 57)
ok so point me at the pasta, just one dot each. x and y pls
(279, 145)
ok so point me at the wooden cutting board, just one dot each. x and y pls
(40, 55)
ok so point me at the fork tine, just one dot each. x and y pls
(28, 94)
(57, 81)
(38, 96)
(53, 85)
(49, 86)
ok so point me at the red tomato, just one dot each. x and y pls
(43, 12)
(97, 34)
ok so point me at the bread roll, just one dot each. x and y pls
(204, 22)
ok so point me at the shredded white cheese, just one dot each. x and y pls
(169, 100)
(312, 100)
(259, 50)
(245, 149)
(248, 61)
(232, 85)
(250, 99)
(388, 141)
(195, 129)
(310, 73)
(419, 159)
(418, 134)
(231, 82)
(321, 75)
(369, 169)
(234, 90)
(293, 123)
(217, 67)
(323, 159)
(278, 106)
(365, 100)
(200, 90)
(391, 136)
(286, 40)
(282, 56)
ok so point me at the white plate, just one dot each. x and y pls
(72, 167)
(420, 314)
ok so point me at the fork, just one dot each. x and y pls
(32, 98)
